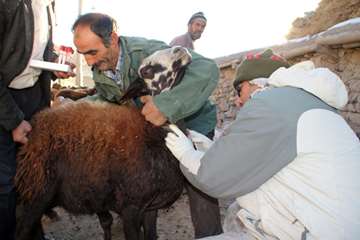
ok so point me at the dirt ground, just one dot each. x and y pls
(173, 223)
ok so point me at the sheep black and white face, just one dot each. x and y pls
(161, 69)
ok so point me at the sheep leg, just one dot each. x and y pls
(29, 215)
(106, 221)
(131, 216)
(29, 221)
(149, 225)
(52, 214)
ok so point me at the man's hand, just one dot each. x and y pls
(19, 134)
(182, 148)
(65, 74)
(151, 112)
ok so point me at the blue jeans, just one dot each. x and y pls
(7, 190)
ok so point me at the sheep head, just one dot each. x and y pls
(159, 72)
(164, 69)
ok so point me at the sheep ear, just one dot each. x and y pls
(177, 65)
(147, 72)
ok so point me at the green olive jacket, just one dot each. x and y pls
(188, 100)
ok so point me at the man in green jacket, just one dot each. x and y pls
(115, 61)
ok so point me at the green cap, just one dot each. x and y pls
(258, 65)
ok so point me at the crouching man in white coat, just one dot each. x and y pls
(289, 159)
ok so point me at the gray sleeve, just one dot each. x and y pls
(182, 41)
(254, 148)
(175, 41)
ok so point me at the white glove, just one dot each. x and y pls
(183, 149)
(201, 142)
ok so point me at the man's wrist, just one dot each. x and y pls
(191, 159)
(167, 107)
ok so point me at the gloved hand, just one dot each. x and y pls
(183, 149)
(201, 142)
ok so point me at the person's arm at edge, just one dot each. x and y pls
(10, 114)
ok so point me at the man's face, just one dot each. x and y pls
(196, 28)
(243, 94)
(95, 52)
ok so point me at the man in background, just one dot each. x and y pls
(196, 26)
(201, 204)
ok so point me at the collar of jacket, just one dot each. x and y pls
(132, 53)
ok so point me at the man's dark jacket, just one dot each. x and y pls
(16, 41)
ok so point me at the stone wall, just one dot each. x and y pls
(224, 96)
(328, 13)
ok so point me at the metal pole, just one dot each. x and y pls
(79, 69)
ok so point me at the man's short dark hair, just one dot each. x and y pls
(197, 15)
(100, 24)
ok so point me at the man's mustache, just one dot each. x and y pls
(97, 64)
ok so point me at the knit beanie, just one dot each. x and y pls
(197, 15)
(260, 65)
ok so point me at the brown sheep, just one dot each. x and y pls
(94, 158)
(91, 158)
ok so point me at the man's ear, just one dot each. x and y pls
(189, 27)
(114, 38)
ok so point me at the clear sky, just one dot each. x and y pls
(233, 25)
